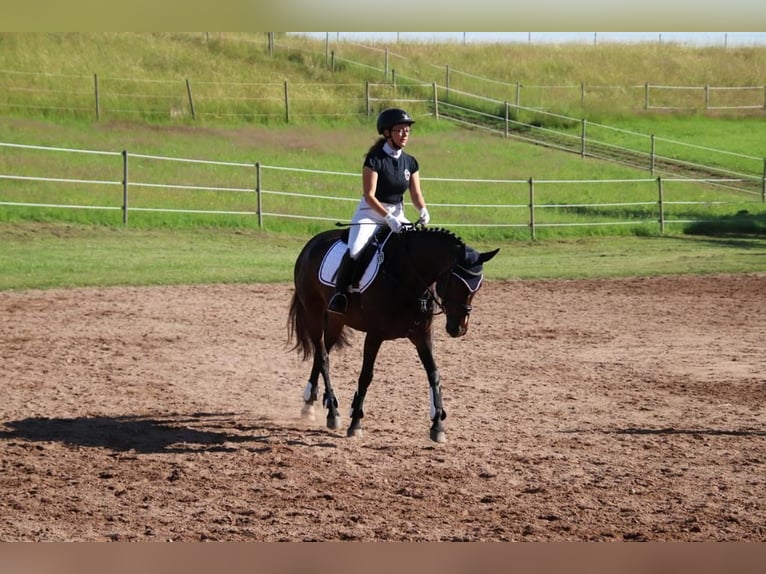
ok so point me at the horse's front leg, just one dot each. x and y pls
(371, 348)
(437, 414)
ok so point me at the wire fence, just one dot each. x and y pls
(284, 101)
(390, 66)
(260, 192)
(699, 39)
(512, 109)
(87, 96)
(95, 96)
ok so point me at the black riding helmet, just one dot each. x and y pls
(391, 117)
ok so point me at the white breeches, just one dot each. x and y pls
(366, 221)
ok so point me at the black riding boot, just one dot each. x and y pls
(339, 302)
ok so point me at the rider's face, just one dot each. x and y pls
(400, 133)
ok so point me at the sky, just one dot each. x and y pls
(687, 38)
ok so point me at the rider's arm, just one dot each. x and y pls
(415, 193)
(370, 183)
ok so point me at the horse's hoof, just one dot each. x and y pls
(438, 436)
(355, 433)
(333, 423)
(307, 412)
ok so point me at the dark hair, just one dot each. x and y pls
(376, 146)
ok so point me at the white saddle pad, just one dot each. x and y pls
(331, 262)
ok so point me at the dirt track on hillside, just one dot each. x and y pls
(577, 410)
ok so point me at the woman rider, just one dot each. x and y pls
(388, 172)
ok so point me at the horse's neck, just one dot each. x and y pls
(423, 258)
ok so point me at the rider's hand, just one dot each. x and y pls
(425, 217)
(393, 223)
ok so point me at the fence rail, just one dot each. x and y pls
(286, 102)
(532, 203)
(97, 96)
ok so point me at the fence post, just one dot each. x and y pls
(532, 208)
(287, 105)
(258, 194)
(367, 96)
(436, 101)
(582, 93)
(646, 95)
(652, 154)
(707, 96)
(446, 83)
(191, 99)
(518, 94)
(661, 203)
(582, 138)
(125, 187)
(271, 44)
(507, 118)
(385, 69)
(98, 105)
(763, 183)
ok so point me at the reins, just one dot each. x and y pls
(430, 293)
(432, 296)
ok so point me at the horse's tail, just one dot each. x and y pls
(297, 328)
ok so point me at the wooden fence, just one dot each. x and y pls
(286, 102)
(271, 196)
(97, 96)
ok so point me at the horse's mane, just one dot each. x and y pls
(470, 263)
(438, 231)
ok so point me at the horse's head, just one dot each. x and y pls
(439, 257)
(457, 288)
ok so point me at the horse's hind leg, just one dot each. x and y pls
(321, 366)
(329, 400)
(311, 391)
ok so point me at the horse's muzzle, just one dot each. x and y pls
(457, 328)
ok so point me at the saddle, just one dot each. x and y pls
(367, 267)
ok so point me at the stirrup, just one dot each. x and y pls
(338, 304)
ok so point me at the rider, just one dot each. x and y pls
(387, 173)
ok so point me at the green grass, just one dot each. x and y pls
(446, 152)
(46, 256)
(56, 255)
(234, 78)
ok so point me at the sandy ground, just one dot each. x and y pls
(577, 410)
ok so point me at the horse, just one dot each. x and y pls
(419, 270)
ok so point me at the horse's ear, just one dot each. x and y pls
(487, 255)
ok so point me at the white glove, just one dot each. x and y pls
(425, 217)
(393, 223)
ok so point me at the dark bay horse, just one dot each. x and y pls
(420, 270)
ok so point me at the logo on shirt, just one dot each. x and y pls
(407, 174)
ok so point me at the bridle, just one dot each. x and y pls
(471, 279)
(436, 293)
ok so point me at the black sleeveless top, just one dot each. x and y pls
(393, 174)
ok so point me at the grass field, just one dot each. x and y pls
(86, 245)
(59, 255)
(474, 182)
